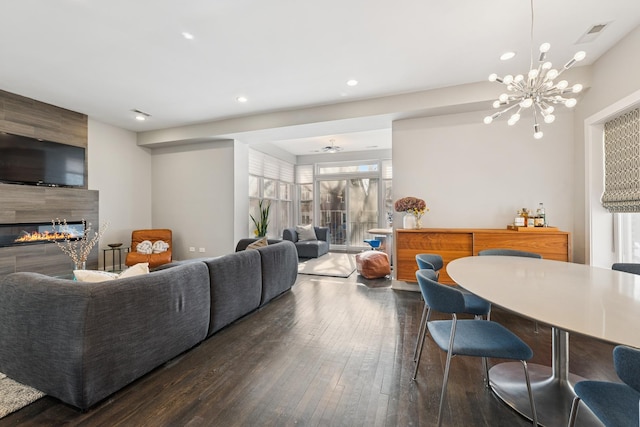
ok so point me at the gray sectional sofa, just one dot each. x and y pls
(81, 342)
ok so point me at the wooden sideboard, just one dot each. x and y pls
(452, 243)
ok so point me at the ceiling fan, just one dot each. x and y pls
(332, 148)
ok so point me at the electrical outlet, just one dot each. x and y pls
(192, 249)
(201, 250)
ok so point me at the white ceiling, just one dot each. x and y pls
(105, 58)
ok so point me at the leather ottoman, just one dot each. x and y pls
(373, 264)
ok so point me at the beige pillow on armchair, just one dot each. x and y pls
(306, 232)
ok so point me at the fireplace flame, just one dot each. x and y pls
(37, 236)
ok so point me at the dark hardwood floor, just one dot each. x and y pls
(332, 352)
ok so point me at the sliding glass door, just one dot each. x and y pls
(349, 207)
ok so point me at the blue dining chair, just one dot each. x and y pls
(474, 305)
(615, 404)
(469, 337)
(627, 267)
(509, 252)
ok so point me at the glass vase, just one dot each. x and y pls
(80, 266)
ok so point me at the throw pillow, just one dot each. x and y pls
(159, 246)
(258, 243)
(306, 232)
(93, 276)
(135, 270)
(144, 247)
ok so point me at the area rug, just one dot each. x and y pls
(332, 264)
(14, 396)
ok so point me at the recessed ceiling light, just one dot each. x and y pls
(241, 99)
(507, 55)
(352, 82)
(141, 115)
(187, 36)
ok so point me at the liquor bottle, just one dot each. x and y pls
(541, 214)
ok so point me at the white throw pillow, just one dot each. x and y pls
(258, 243)
(306, 232)
(94, 276)
(135, 270)
(160, 246)
(144, 247)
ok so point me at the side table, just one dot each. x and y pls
(113, 251)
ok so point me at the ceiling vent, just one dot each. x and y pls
(592, 33)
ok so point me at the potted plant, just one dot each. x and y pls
(263, 219)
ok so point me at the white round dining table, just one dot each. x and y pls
(571, 298)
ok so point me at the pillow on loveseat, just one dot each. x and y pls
(306, 232)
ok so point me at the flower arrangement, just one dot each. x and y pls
(263, 221)
(412, 205)
(78, 250)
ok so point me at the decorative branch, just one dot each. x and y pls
(78, 250)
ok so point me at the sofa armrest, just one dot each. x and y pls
(322, 233)
(290, 234)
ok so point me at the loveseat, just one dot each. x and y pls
(81, 342)
(309, 248)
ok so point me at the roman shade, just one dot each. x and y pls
(622, 163)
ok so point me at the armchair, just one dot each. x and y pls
(154, 259)
(309, 248)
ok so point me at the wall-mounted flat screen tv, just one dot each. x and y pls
(32, 161)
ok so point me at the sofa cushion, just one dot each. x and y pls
(236, 287)
(279, 263)
(306, 232)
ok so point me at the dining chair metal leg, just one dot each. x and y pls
(445, 379)
(534, 414)
(574, 411)
(423, 325)
(421, 339)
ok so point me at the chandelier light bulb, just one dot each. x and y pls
(503, 97)
(518, 78)
(571, 102)
(538, 135)
(496, 104)
(533, 73)
(488, 120)
(562, 84)
(526, 103)
(576, 88)
(549, 118)
(544, 47)
(552, 74)
(493, 77)
(508, 79)
(579, 56)
(547, 65)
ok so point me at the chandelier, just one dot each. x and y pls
(537, 91)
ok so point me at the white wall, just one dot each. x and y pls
(476, 175)
(193, 194)
(121, 172)
(615, 80)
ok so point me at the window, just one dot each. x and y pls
(270, 179)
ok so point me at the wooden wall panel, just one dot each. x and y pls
(22, 203)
